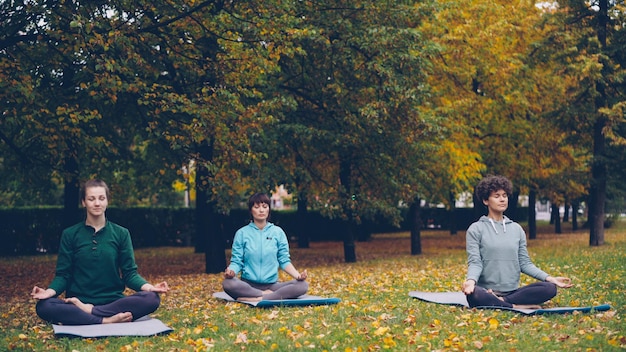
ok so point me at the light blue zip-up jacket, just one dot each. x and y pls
(497, 254)
(259, 253)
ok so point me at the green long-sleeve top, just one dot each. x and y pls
(95, 266)
(497, 255)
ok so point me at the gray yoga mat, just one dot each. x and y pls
(304, 300)
(458, 298)
(144, 326)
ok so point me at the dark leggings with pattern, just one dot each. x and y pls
(56, 311)
(535, 293)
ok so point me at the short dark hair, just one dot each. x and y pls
(259, 198)
(493, 183)
(93, 183)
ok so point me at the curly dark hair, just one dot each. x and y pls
(493, 183)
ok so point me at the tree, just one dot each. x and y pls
(211, 102)
(354, 139)
(493, 77)
(103, 81)
(60, 95)
(589, 43)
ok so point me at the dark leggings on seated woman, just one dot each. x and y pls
(535, 293)
(281, 290)
(56, 311)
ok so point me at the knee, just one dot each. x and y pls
(44, 309)
(550, 289)
(477, 294)
(303, 287)
(479, 297)
(152, 299)
(472, 299)
(228, 284)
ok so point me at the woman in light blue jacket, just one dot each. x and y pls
(497, 255)
(258, 250)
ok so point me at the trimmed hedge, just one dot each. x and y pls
(28, 231)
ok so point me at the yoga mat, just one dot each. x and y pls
(304, 300)
(458, 298)
(144, 326)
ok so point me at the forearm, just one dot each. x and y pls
(474, 257)
(291, 270)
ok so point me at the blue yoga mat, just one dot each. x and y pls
(144, 326)
(304, 300)
(458, 298)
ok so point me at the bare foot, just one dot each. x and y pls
(267, 291)
(250, 299)
(493, 293)
(85, 307)
(526, 306)
(118, 318)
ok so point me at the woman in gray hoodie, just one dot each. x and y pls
(497, 255)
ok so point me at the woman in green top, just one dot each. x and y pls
(94, 266)
(497, 255)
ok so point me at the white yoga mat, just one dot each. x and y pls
(144, 326)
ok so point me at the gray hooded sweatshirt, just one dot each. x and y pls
(497, 254)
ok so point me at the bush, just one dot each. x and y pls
(38, 230)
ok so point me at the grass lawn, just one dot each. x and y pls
(375, 313)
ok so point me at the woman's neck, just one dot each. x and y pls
(496, 216)
(260, 223)
(96, 222)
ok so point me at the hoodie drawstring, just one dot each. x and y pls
(493, 224)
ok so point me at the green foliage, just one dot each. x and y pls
(354, 136)
(71, 77)
(355, 107)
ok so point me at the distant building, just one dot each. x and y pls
(281, 199)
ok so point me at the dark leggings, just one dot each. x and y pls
(56, 311)
(282, 290)
(535, 293)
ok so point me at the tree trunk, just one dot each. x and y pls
(479, 208)
(303, 204)
(452, 217)
(208, 233)
(532, 215)
(575, 207)
(349, 249)
(215, 253)
(302, 215)
(598, 167)
(71, 192)
(597, 196)
(511, 211)
(557, 218)
(566, 212)
(201, 210)
(416, 227)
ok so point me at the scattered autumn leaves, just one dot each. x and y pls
(375, 312)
